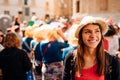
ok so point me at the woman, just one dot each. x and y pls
(39, 35)
(51, 52)
(14, 62)
(89, 61)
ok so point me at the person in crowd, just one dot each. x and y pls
(113, 40)
(72, 40)
(89, 61)
(27, 39)
(39, 35)
(1, 48)
(47, 19)
(23, 27)
(1, 40)
(8, 30)
(17, 30)
(20, 16)
(34, 17)
(117, 29)
(51, 51)
(14, 61)
(16, 21)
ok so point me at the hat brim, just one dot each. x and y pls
(101, 22)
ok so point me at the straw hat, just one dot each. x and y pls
(89, 19)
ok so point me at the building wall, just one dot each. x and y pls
(40, 7)
(63, 7)
(103, 8)
(13, 6)
(114, 5)
(99, 6)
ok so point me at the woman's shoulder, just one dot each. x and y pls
(19, 51)
(13, 51)
(112, 66)
(70, 57)
(110, 57)
(111, 60)
(71, 54)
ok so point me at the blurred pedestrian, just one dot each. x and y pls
(14, 62)
(51, 52)
(16, 21)
(27, 40)
(39, 35)
(17, 30)
(1, 48)
(1, 40)
(113, 40)
(89, 61)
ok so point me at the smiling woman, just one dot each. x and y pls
(92, 35)
(90, 60)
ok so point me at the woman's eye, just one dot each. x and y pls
(98, 31)
(87, 31)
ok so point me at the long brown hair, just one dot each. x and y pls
(100, 55)
(11, 40)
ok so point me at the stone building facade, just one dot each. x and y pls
(103, 8)
(40, 7)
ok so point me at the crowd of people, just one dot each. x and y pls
(61, 48)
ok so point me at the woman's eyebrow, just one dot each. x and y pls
(91, 29)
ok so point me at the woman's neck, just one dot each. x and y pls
(90, 51)
(90, 58)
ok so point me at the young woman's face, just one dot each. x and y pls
(91, 35)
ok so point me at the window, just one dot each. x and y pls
(77, 6)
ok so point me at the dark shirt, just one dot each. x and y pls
(52, 51)
(14, 63)
(26, 44)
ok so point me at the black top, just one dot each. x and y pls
(14, 63)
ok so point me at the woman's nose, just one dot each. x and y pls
(92, 34)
